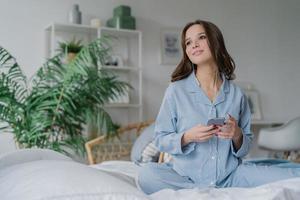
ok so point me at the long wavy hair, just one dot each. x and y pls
(218, 50)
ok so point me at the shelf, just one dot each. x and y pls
(71, 28)
(125, 68)
(119, 32)
(124, 43)
(122, 105)
(87, 29)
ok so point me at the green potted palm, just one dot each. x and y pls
(61, 100)
(70, 48)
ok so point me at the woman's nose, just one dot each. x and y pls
(196, 44)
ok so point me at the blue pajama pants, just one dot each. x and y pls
(154, 177)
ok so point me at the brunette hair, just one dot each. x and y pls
(218, 50)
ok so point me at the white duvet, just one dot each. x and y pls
(47, 175)
(286, 189)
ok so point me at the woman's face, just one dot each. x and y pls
(196, 43)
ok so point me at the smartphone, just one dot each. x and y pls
(216, 121)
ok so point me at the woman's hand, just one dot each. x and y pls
(232, 131)
(199, 133)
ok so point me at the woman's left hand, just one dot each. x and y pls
(230, 130)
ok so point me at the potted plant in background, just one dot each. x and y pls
(62, 98)
(70, 48)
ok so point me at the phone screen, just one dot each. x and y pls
(216, 121)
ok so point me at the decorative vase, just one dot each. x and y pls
(75, 15)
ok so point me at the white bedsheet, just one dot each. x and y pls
(281, 190)
(46, 175)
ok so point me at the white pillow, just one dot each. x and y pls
(29, 155)
(167, 158)
(62, 180)
(150, 153)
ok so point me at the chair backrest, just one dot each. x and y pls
(101, 149)
(283, 138)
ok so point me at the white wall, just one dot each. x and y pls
(262, 36)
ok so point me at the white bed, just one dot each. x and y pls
(47, 175)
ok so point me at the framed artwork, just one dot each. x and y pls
(254, 104)
(170, 50)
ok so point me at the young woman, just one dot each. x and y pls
(205, 155)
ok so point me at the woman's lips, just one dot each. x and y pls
(197, 52)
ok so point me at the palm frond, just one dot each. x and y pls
(12, 75)
(63, 97)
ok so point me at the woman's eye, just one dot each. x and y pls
(202, 37)
(188, 43)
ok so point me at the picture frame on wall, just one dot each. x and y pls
(170, 50)
(254, 104)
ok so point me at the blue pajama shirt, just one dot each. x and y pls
(213, 163)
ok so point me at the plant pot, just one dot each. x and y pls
(71, 56)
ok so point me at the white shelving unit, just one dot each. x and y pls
(126, 44)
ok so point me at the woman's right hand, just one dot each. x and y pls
(199, 133)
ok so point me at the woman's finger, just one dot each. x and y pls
(205, 128)
(203, 138)
(230, 123)
(231, 117)
(226, 128)
(210, 132)
(224, 135)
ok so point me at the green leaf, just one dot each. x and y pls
(63, 97)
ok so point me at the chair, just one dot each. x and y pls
(285, 138)
(100, 149)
